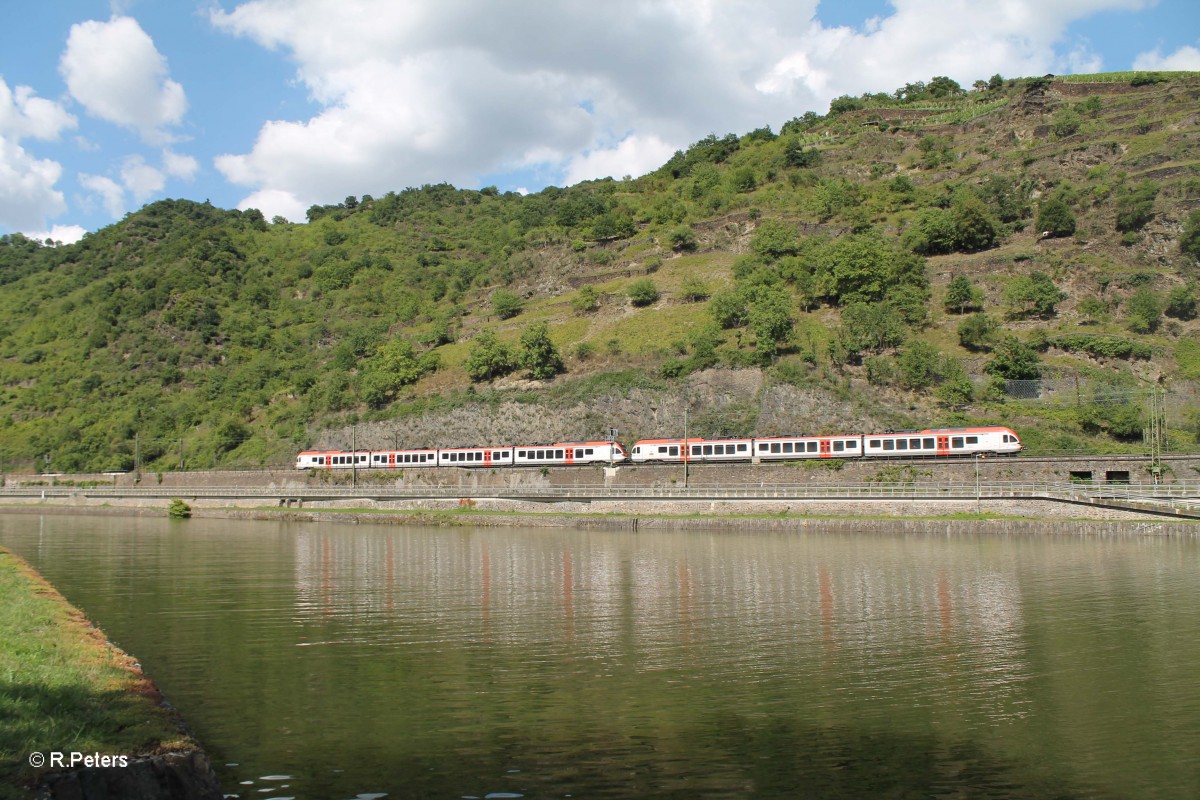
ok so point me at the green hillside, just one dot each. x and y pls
(1025, 250)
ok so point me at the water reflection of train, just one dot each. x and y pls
(935, 442)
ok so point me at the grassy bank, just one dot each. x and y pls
(64, 688)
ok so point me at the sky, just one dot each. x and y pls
(278, 105)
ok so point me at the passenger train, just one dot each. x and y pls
(935, 442)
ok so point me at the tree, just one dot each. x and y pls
(919, 363)
(682, 239)
(1032, 295)
(394, 365)
(974, 226)
(770, 317)
(1135, 206)
(1181, 302)
(774, 239)
(1014, 360)
(643, 292)
(587, 301)
(872, 326)
(489, 358)
(1055, 218)
(742, 180)
(538, 354)
(1189, 242)
(1143, 311)
(930, 233)
(961, 295)
(506, 304)
(978, 332)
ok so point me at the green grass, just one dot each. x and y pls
(62, 687)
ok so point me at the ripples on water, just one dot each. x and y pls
(360, 661)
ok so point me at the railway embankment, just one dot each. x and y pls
(81, 720)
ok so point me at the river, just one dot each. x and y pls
(339, 661)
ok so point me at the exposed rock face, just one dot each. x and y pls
(172, 776)
(718, 401)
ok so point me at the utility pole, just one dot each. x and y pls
(353, 459)
(686, 448)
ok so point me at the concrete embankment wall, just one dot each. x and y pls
(1099, 469)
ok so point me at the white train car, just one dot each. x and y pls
(403, 459)
(332, 459)
(985, 441)
(475, 456)
(676, 451)
(793, 448)
(568, 454)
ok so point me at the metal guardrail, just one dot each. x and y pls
(1167, 494)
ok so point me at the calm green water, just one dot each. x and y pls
(340, 661)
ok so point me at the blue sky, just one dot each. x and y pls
(280, 104)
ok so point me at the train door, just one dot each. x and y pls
(943, 445)
(825, 449)
(487, 458)
(570, 454)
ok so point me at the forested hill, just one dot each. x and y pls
(1024, 250)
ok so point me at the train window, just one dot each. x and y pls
(587, 452)
(763, 447)
(697, 450)
(741, 448)
(839, 446)
(888, 444)
(662, 449)
(674, 451)
(927, 444)
(957, 441)
(558, 453)
(914, 444)
(812, 447)
(972, 440)
(852, 444)
(902, 444)
(873, 444)
(775, 447)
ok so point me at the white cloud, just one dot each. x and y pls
(1186, 58)
(180, 166)
(63, 234)
(275, 203)
(456, 90)
(23, 115)
(634, 155)
(114, 70)
(110, 193)
(28, 196)
(143, 180)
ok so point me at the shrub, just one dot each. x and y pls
(682, 239)
(1189, 242)
(1143, 311)
(1181, 302)
(643, 292)
(506, 304)
(587, 301)
(538, 354)
(1135, 206)
(179, 509)
(1055, 218)
(489, 358)
(694, 290)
